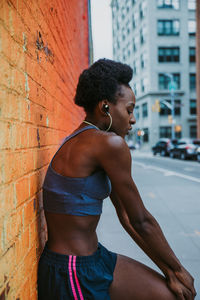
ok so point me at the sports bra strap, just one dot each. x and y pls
(72, 135)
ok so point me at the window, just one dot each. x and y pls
(193, 106)
(141, 37)
(142, 9)
(192, 81)
(192, 54)
(168, 27)
(192, 4)
(137, 88)
(165, 131)
(142, 61)
(128, 27)
(171, 54)
(137, 113)
(135, 43)
(143, 32)
(133, 22)
(193, 131)
(168, 4)
(177, 107)
(142, 85)
(144, 110)
(146, 135)
(164, 81)
(134, 46)
(165, 111)
(134, 68)
(123, 9)
(192, 27)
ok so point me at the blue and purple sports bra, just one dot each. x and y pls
(80, 196)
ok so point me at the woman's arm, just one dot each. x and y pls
(114, 156)
(124, 220)
(172, 280)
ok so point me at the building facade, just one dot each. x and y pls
(157, 39)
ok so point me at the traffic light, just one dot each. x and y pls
(178, 128)
(156, 106)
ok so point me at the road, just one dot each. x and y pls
(170, 190)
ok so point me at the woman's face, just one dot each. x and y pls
(122, 111)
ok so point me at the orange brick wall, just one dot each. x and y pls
(43, 49)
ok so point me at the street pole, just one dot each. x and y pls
(173, 112)
(198, 65)
(172, 88)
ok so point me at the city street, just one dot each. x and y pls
(170, 189)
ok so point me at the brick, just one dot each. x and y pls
(16, 25)
(30, 260)
(24, 292)
(7, 201)
(42, 157)
(35, 185)
(22, 246)
(33, 278)
(11, 49)
(6, 71)
(6, 266)
(11, 166)
(33, 234)
(36, 93)
(13, 224)
(18, 81)
(5, 135)
(27, 162)
(9, 106)
(24, 110)
(33, 137)
(29, 213)
(38, 114)
(22, 190)
(20, 137)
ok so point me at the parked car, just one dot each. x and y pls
(163, 146)
(185, 148)
(198, 154)
(131, 145)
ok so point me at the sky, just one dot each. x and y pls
(101, 28)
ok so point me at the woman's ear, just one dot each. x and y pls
(104, 107)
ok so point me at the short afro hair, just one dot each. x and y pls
(101, 81)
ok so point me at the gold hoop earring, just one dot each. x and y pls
(110, 121)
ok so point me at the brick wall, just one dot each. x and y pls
(43, 48)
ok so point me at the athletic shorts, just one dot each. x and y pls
(62, 277)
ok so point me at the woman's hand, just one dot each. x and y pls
(186, 279)
(181, 291)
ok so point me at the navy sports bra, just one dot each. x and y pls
(78, 196)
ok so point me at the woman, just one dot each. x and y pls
(91, 164)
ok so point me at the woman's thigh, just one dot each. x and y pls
(135, 281)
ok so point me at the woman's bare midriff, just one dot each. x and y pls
(72, 235)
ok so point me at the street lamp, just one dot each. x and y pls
(172, 87)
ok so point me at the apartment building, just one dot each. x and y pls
(157, 39)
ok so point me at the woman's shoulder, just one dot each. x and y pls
(110, 142)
